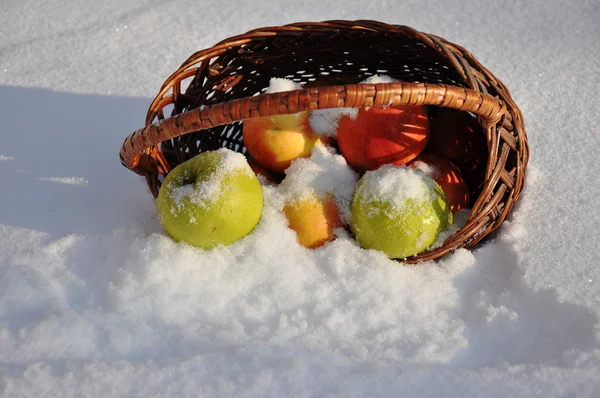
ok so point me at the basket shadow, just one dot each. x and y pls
(509, 322)
(59, 161)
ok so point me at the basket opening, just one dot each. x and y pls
(321, 57)
(317, 58)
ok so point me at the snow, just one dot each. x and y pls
(325, 121)
(379, 79)
(396, 185)
(430, 169)
(279, 84)
(232, 162)
(95, 300)
(323, 173)
(65, 180)
(208, 188)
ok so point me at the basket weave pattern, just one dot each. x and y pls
(202, 105)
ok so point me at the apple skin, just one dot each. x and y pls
(313, 219)
(275, 141)
(209, 220)
(399, 232)
(448, 176)
(378, 136)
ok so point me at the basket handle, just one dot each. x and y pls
(138, 152)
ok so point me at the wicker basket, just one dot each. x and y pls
(226, 83)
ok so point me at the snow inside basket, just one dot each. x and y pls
(202, 105)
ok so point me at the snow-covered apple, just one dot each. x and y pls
(398, 210)
(313, 219)
(316, 195)
(378, 136)
(212, 199)
(448, 176)
(274, 141)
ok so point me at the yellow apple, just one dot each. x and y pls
(274, 141)
(313, 219)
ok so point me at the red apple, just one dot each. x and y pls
(448, 176)
(274, 141)
(379, 136)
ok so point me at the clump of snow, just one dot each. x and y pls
(325, 121)
(323, 173)
(232, 162)
(278, 84)
(429, 169)
(65, 180)
(5, 158)
(396, 185)
(379, 79)
(206, 191)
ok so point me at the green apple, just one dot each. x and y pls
(212, 199)
(399, 211)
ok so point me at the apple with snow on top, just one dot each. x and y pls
(378, 136)
(314, 219)
(275, 141)
(317, 192)
(448, 176)
(398, 210)
(212, 199)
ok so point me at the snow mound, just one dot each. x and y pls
(321, 174)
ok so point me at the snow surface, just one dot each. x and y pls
(95, 300)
